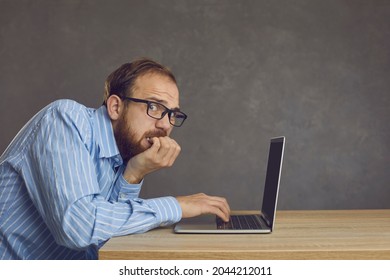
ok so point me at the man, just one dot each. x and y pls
(71, 178)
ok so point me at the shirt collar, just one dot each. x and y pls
(105, 135)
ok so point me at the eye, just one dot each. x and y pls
(153, 107)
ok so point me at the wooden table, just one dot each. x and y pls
(331, 234)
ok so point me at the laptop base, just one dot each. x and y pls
(207, 224)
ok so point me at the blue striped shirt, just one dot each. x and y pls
(62, 193)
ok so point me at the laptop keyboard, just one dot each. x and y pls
(240, 222)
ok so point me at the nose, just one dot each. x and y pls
(164, 123)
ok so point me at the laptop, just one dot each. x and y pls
(257, 223)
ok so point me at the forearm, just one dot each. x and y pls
(88, 223)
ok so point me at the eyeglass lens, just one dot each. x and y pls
(158, 111)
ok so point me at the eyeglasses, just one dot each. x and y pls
(158, 111)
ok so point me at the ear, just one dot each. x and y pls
(115, 107)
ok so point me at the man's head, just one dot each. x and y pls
(134, 94)
(121, 81)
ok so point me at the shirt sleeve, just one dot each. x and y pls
(62, 182)
(123, 189)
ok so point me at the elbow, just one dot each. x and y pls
(74, 239)
(73, 234)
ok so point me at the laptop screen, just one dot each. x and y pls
(272, 179)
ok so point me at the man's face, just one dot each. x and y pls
(134, 127)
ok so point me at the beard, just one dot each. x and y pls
(128, 143)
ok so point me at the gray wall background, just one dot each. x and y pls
(315, 71)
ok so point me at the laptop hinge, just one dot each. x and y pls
(267, 222)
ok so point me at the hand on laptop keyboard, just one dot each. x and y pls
(239, 222)
(198, 204)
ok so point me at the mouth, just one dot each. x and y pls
(149, 136)
(149, 139)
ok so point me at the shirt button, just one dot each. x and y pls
(122, 195)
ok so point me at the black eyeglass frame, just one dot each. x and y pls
(167, 110)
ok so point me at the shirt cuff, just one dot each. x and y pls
(127, 191)
(167, 208)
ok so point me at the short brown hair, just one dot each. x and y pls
(122, 80)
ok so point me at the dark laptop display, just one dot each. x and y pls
(272, 179)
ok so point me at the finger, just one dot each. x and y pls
(221, 202)
(156, 152)
(219, 212)
(156, 144)
(222, 208)
(169, 151)
(215, 205)
(222, 215)
(164, 147)
(175, 152)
